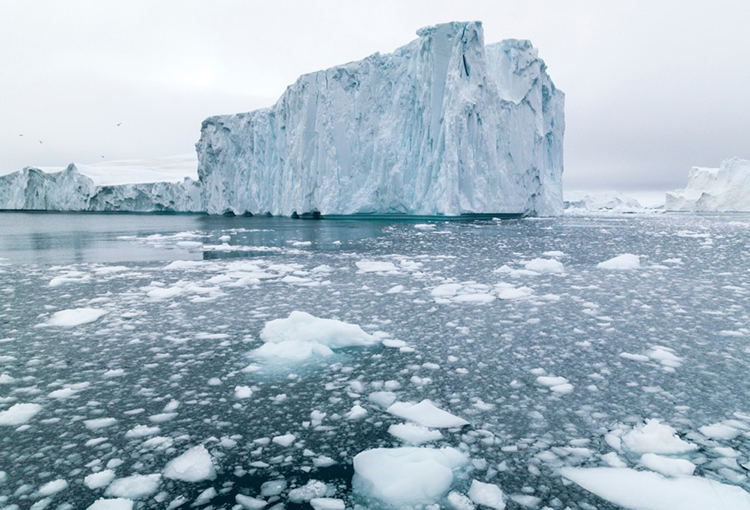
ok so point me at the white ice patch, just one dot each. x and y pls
(556, 384)
(667, 465)
(18, 414)
(195, 465)
(111, 504)
(406, 476)
(644, 490)
(544, 266)
(134, 486)
(74, 317)
(427, 414)
(487, 494)
(621, 262)
(100, 479)
(302, 335)
(656, 437)
(371, 266)
(414, 434)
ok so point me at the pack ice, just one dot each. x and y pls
(723, 189)
(442, 126)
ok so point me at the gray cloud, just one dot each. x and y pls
(652, 87)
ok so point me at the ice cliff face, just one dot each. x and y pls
(70, 190)
(723, 189)
(444, 125)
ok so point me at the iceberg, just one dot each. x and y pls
(583, 203)
(723, 189)
(155, 185)
(442, 126)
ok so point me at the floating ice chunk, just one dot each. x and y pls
(446, 290)
(313, 489)
(53, 487)
(18, 414)
(556, 384)
(396, 289)
(621, 262)
(100, 479)
(544, 266)
(634, 357)
(74, 317)
(141, 431)
(161, 293)
(357, 412)
(382, 398)
(134, 486)
(327, 504)
(370, 266)
(506, 291)
(458, 501)
(427, 414)
(99, 423)
(487, 494)
(719, 431)
(7, 379)
(656, 437)
(667, 466)
(204, 497)
(302, 335)
(406, 476)
(248, 503)
(644, 490)
(273, 487)
(554, 254)
(665, 356)
(117, 372)
(242, 392)
(111, 504)
(195, 465)
(285, 440)
(414, 434)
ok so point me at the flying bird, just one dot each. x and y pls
(21, 134)
(41, 141)
(118, 124)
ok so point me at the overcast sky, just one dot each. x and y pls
(652, 87)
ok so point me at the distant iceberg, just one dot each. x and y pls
(128, 185)
(723, 189)
(602, 202)
(442, 126)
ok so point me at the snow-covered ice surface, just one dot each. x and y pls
(722, 189)
(563, 384)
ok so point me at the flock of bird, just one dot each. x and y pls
(118, 125)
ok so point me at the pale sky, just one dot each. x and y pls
(652, 87)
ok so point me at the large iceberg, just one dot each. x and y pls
(442, 126)
(128, 185)
(723, 189)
